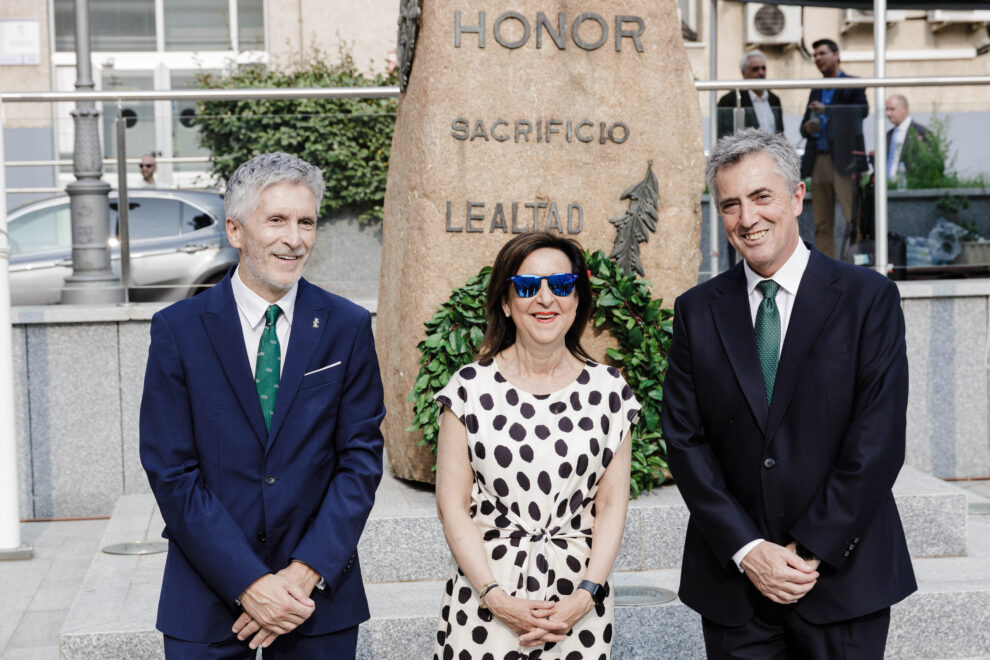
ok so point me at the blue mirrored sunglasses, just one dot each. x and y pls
(527, 286)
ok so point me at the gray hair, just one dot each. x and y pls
(733, 148)
(744, 62)
(250, 179)
(899, 99)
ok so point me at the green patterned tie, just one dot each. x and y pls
(768, 333)
(268, 367)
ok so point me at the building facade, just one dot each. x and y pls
(165, 44)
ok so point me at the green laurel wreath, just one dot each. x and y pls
(623, 304)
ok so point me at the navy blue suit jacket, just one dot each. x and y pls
(817, 466)
(240, 502)
(843, 131)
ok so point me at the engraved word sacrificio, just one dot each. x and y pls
(536, 216)
(541, 130)
(513, 30)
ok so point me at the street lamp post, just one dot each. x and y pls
(92, 279)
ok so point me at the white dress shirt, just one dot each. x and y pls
(897, 144)
(764, 113)
(789, 278)
(251, 310)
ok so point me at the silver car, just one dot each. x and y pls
(178, 245)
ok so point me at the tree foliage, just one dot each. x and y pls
(624, 307)
(349, 139)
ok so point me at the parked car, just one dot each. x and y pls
(178, 245)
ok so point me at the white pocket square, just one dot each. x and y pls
(316, 371)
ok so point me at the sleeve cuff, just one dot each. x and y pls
(743, 551)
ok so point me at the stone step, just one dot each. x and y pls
(404, 541)
(945, 618)
(114, 613)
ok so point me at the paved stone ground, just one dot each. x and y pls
(36, 594)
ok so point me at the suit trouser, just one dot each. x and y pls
(339, 645)
(827, 188)
(778, 632)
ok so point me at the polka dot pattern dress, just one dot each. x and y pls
(537, 462)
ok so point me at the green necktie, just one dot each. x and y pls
(768, 333)
(268, 367)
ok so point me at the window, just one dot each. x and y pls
(140, 134)
(150, 217)
(687, 11)
(189, 25)
(197, 25)
(41, 231)
(114, 25)
(194, 219)
(250, 25)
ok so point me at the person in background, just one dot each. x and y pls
(903, 139)
(835, 153)
(149, 167)
(533, 467)
(784, 413)
(761, 106)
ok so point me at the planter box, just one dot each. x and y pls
(974, 252)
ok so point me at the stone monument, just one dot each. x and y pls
(580, 117)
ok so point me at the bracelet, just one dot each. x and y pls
(484, 592)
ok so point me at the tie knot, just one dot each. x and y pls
(768, 288)
(271, 314)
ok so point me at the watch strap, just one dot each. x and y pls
(596, 590)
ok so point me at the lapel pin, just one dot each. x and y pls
(316, 322)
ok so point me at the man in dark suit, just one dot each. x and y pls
(784, 413)
(761, 107)
(835, 153)
(260, 436)
(904, 138)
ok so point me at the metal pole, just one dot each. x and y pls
(123, 208)
(92, 280)
(881, 258)
(10, 520)
(713, 222)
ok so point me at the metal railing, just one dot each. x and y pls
(118, 97)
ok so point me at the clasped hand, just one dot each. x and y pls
(275, 604)
(539, 621)
(779, 573)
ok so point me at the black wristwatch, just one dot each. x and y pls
(597, 591)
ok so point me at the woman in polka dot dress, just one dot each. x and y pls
(533, 470)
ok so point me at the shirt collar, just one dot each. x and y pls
(253, 306)
(788, 276)
(903, 126)
(756, 98)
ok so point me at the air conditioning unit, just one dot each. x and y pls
(942, 17)
(853, 17)
(773, 24)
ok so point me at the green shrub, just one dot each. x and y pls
(624, 306)
(349, 139)
(931, 162)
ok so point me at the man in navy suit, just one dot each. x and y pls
(834, 153)
(260, 436)
(784, 413)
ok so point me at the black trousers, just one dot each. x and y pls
(779, 632)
